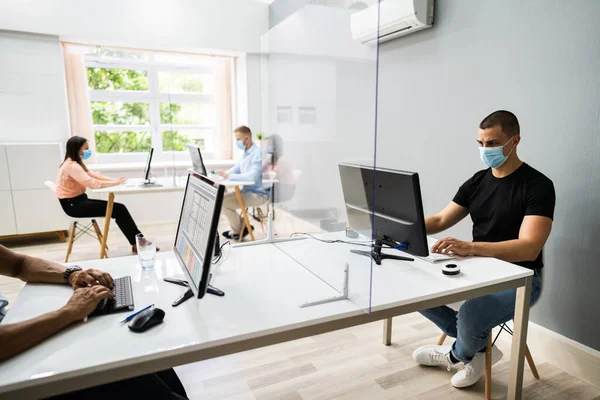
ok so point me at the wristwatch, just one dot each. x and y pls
(69, 271)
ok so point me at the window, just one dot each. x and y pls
(144, 99)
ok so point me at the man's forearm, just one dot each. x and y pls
(37, 270)
(16, 338)
(433, 225)
(511, 250)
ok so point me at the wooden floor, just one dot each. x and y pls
(347, 364)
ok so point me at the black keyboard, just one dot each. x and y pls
(123, 300)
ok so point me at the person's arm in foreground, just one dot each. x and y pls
(16, 338)
(37, 270)
(533, 234)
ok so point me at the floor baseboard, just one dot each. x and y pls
(572, 357)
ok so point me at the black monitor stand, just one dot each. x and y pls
(376, 254)
(189, 293)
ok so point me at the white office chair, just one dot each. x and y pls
(79, 227)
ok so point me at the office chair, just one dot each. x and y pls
(78, 229)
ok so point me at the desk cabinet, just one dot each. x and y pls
(27, 206)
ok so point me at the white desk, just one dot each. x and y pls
(132, 186)
(263, 287)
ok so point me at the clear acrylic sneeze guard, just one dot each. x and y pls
(318, 93)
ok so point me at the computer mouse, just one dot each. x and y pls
(146, 320)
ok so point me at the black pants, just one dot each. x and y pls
(161, 385)
(82, 207)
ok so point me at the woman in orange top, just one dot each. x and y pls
(74, 178)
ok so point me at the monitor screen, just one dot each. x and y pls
(197, 230)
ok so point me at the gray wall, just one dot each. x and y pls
(540, 59)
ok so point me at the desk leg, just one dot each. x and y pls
(519, 339)
(107, 217)
(240, 200)
(387, 331)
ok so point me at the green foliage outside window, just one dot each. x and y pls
(123, 142)
(174, 140)
(117, 79)
(121, 113)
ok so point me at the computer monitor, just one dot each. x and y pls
(197, 230)
(385, 204)
(197, 162)
(148, 164)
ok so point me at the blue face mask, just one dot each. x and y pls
(493, 156)
(86, 154)
(270, 149)
(240, 144)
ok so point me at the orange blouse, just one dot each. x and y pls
(73, 180)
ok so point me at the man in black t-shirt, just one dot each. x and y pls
(512, 208)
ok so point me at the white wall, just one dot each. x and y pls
(33, 101)
(156, 24)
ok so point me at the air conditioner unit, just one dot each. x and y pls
(396, 18)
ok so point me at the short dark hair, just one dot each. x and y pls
(244, 130)
(508, 122)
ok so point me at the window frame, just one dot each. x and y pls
(153, 97)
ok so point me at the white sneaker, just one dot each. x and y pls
(473, 371)
(434, 355)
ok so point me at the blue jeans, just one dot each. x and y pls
(473, 322)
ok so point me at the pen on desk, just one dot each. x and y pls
(130, 317)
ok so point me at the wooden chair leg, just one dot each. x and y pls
(387, 331)
(532, 366)
(441, 339)
(98, 232)
(71, 240)
(488, 369)
(261, 217)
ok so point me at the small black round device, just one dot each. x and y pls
(450, 269)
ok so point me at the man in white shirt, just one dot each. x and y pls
(249, 168)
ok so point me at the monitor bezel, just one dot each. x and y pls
(148, 165)
(200, 291)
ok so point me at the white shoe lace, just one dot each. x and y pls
(468, 369)
(440, 358)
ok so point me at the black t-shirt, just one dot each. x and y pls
(498, 205)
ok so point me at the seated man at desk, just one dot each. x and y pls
(249, 168)
(90, 287)
(512, 207)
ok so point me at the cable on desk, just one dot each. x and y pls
(363, 243)
(217, 258)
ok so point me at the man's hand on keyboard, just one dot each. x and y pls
(452, 246)
(90, 277)
(85, 300)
